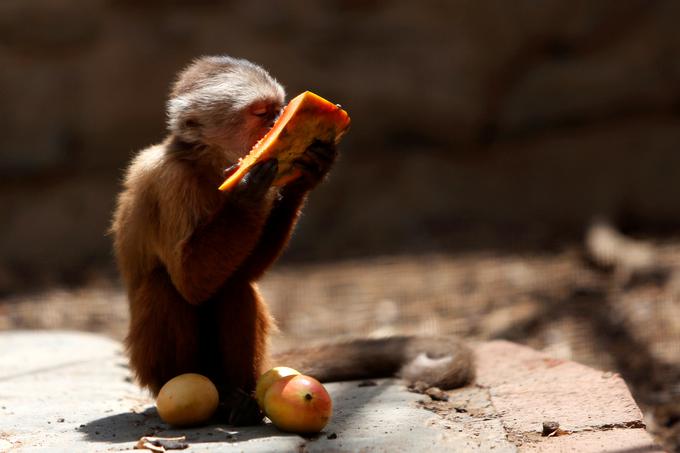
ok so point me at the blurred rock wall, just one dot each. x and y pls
(475, 123)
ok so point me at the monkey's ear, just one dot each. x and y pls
(182, 122)
(191, 125)
(190, 130)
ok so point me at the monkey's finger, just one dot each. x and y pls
(260, 169)
(230, 170)
(258, 179)
(323, 145)
(271, 165)
(322, 154)
(264, 165)
(316, 160)
(307, 166)
(265, 171)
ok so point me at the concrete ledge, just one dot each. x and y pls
(64, 391)
(527, 388)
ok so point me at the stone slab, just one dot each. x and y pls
(64, 391)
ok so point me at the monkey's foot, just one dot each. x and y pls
(240, 409)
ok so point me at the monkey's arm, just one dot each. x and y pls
(314, 165)
(202, 262)
(275, 235)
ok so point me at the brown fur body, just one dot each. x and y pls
(190, 255)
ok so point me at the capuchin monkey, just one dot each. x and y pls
(190, 254)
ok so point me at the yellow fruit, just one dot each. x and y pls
(267, 379)
(188, 399)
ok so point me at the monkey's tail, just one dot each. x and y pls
(444, 362)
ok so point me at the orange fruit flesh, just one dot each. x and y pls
(306, 118)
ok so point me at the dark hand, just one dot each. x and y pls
(240, 409)
(255, 184)
(314, 164)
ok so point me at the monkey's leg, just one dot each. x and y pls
(242, 323)
(163, 336)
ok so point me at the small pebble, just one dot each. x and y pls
(418, 387)
(549, 428)
(437, 394)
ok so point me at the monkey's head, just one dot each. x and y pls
(224, 103)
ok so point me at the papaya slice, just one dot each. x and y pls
(306, 118)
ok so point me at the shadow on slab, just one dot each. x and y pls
(123, 427)
(130, 426)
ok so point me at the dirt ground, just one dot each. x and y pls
(605, 314)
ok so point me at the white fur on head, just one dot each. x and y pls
(213, 91)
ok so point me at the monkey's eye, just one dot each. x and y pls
(259, 110)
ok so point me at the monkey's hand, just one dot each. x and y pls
(314, 164)
(255, 184)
